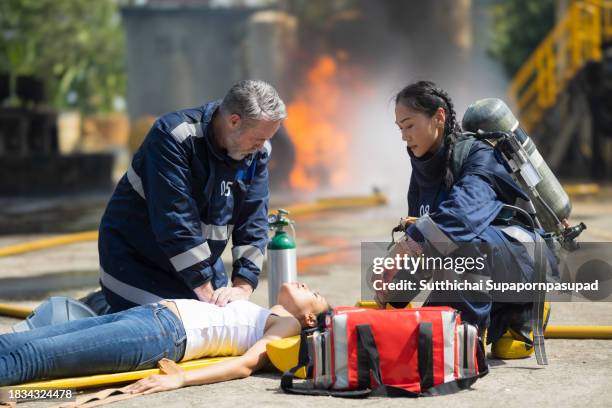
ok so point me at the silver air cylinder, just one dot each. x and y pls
(528, 167)
(282, 257)
(282, 268)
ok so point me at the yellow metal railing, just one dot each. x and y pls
(572, 43)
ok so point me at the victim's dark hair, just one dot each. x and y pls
(321, 316)
(321, 320)
(425, 97)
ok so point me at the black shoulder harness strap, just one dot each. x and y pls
(460, 153)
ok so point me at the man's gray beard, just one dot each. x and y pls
(237, 155)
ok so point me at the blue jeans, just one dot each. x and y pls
(134, 339)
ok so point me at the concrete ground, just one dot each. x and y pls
(579, 371)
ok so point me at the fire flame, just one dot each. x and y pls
(314, 125)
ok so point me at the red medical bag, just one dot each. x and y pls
(404, 352)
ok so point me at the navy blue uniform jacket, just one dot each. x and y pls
(173, 212)
(467, 213)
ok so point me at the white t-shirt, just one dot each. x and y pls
(220, 331)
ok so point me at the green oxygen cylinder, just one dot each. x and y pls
(282, 260)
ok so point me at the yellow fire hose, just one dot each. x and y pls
(48, 243)
(20, 312)
(578, 332)
(582, 189)
(338, 203)
(372, 200)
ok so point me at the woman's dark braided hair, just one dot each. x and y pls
(426, 97)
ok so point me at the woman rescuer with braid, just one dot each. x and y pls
(458, 206)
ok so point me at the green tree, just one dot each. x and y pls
(518, 27)
(76, 46)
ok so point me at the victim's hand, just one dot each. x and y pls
(156, 383)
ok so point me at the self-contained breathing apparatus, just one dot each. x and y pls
(491, 120)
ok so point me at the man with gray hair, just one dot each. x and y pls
(199, 178)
